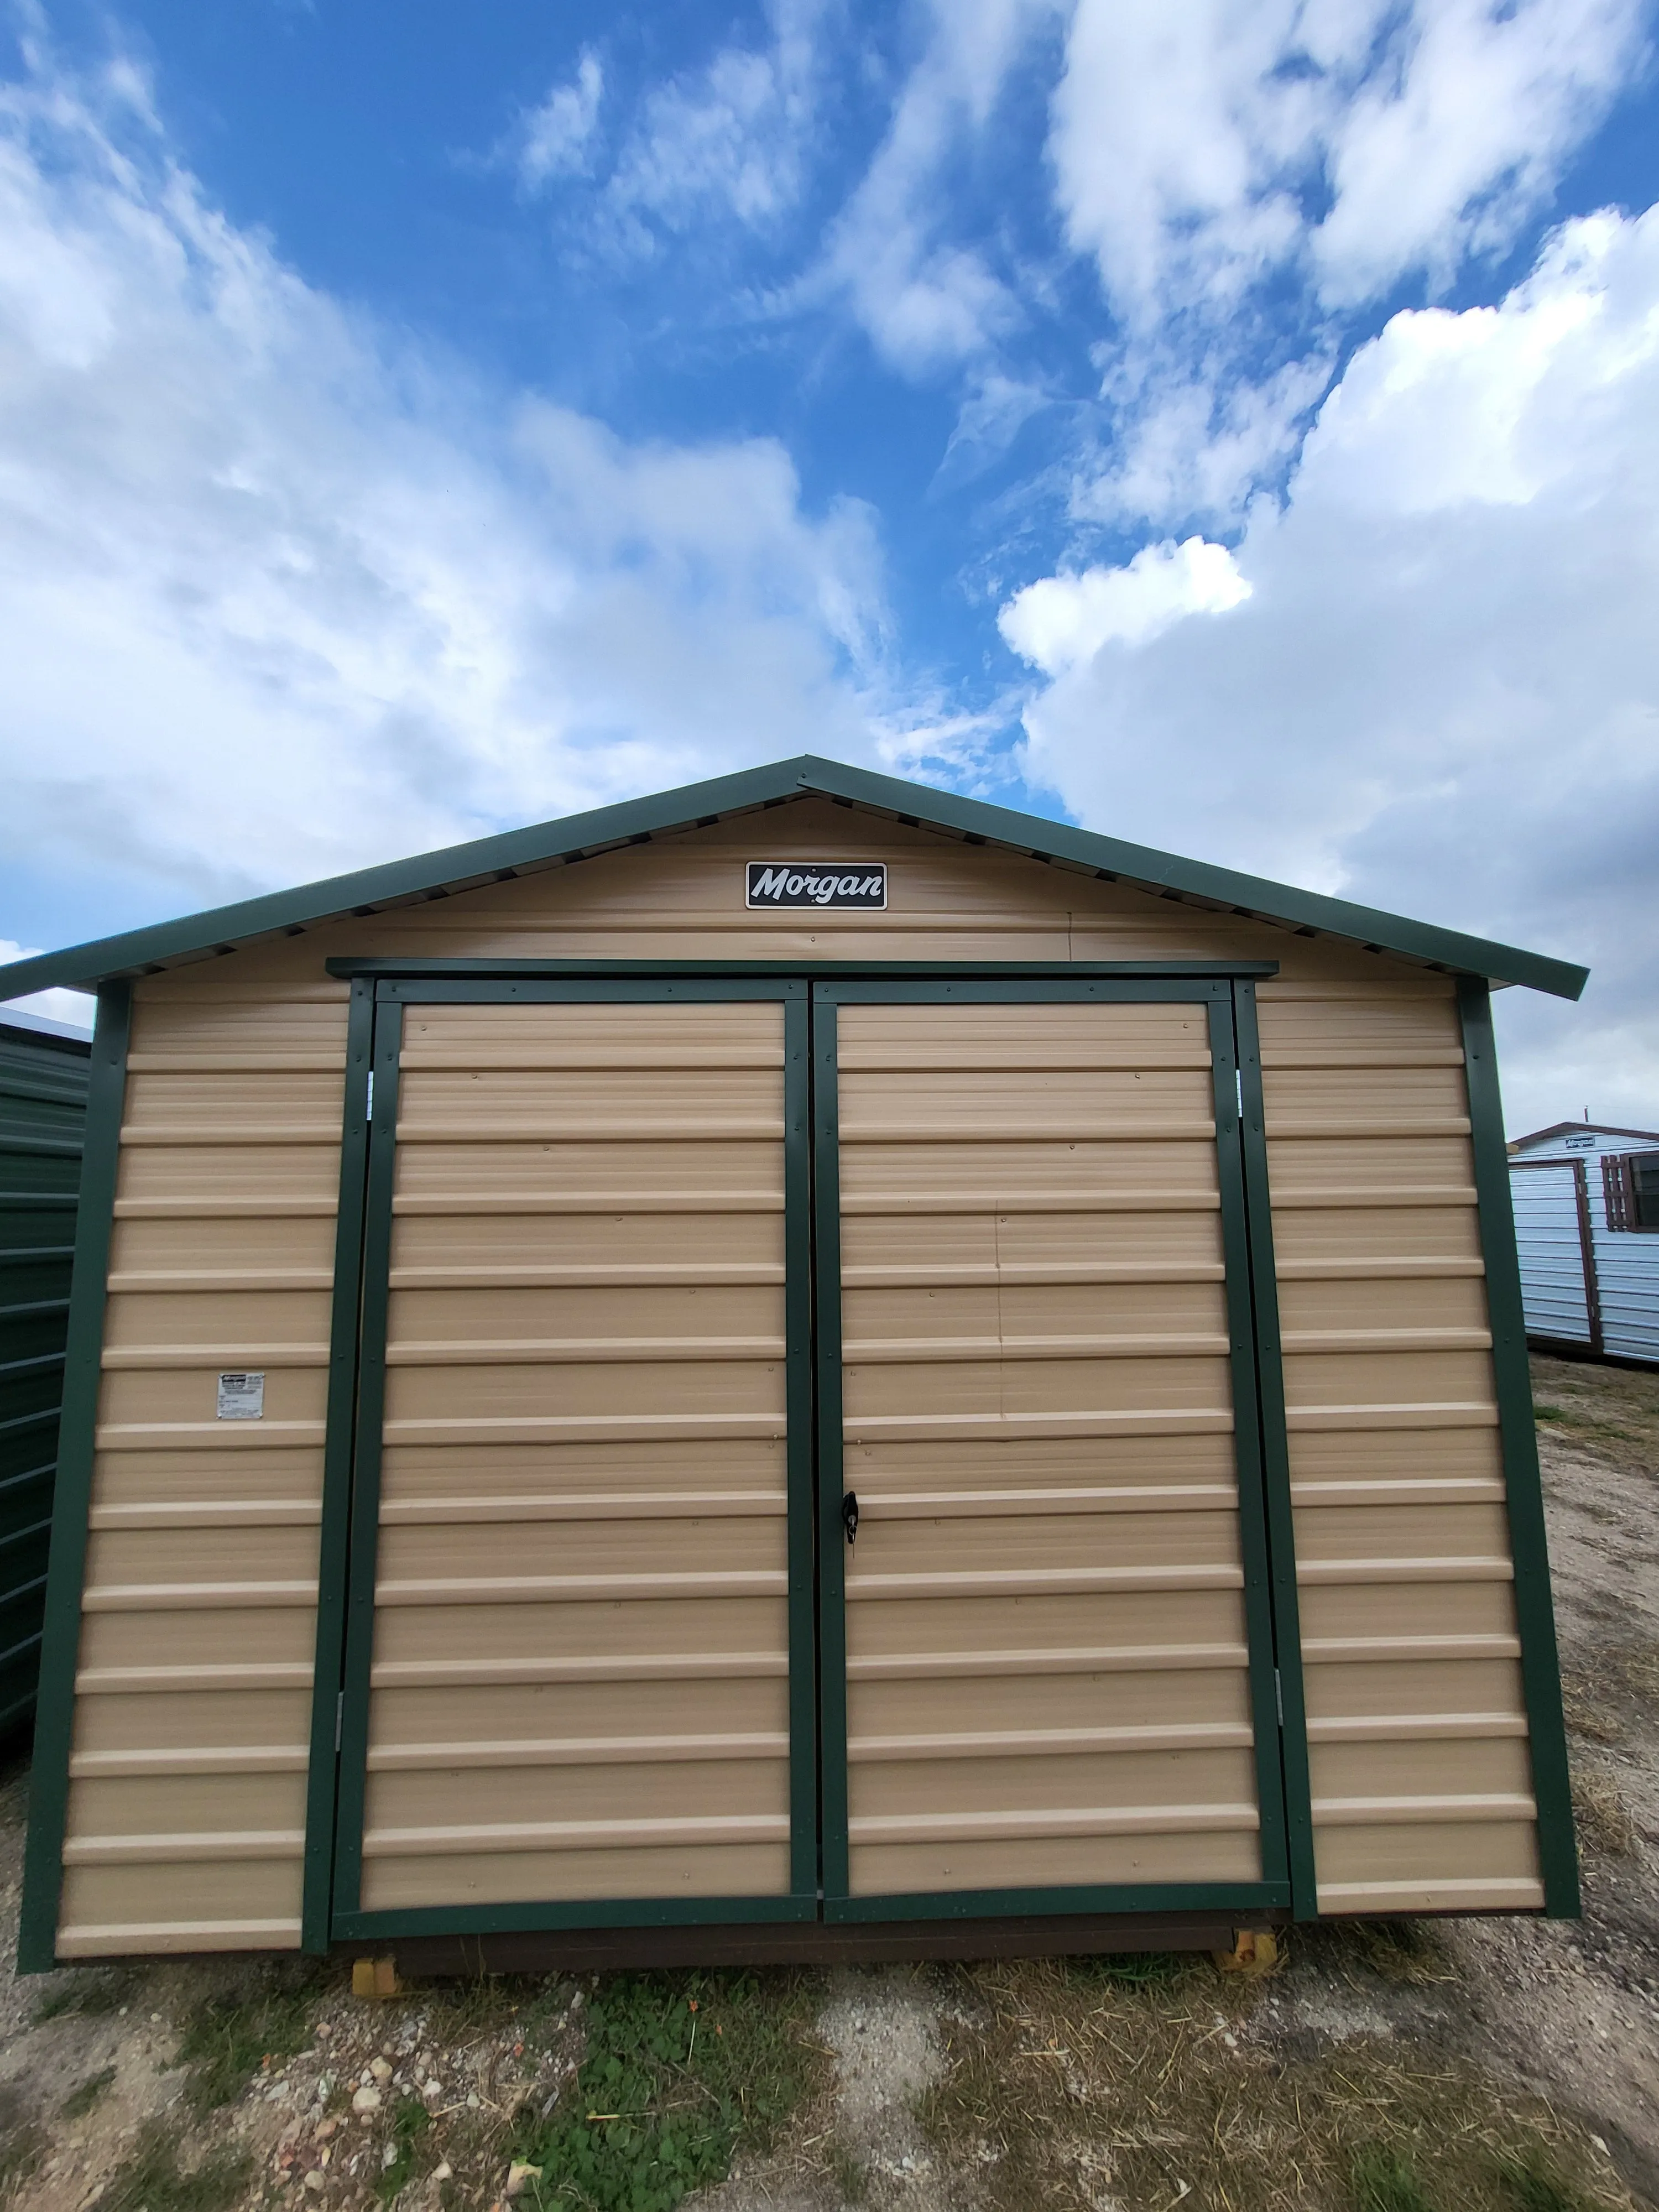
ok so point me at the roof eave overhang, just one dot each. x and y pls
(583, 836)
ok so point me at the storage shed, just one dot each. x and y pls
(1587, 1225)
(802, 1366)
(43, 1111)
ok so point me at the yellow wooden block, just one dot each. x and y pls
(1255, 1951)
(375, 1978)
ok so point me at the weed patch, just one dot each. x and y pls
(1603, 1817)
(1533, 2186)
(225, 2040)
(410, 2121)
(153, 2180)
(681, 2073)
(1066, 2087)
(89, 1995)
(80, 2099)
(1385, 2182)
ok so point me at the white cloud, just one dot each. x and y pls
(556, 139)
(1061, 621)
(1442, 696)
(75, 1007)
(1192, 145)
(275, 602)
(926, 301)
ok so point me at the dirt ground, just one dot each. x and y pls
(1387, 2068)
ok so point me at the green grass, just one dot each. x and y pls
(87, 1995)
(152, 2180)
(81, 2100)
(1134, 1970)
(681, 2071)
(1531, 2185)
(1383, 2181)
(409, 2122)
(225, 2040)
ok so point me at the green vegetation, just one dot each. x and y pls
(152, 2180)
(1385, 2182)
(681, 2072)
(227, 2039)
(409, 2122)
(1532, 2185)
(81, 2100)
(88, 1994)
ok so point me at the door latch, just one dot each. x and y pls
(849, 1516)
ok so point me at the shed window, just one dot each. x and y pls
(1632, 1183)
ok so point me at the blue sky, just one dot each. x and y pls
(1235, 427)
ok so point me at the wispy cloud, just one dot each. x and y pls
(556, 139)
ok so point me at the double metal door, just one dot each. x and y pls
(807, 1458)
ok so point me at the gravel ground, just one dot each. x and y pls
(1565, 2012)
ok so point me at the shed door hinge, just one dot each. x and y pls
(339, 1719)
(368, 1103)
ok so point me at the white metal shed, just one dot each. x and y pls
(1587, 1227)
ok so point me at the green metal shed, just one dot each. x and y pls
(43, 1112)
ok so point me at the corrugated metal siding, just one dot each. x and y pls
(581, 1667)
(1626, 1259)
(1422, 1788)
(1045, 1644)
(43, 1111)
(1552, 1250)
(186, 1810)
(194, 1684)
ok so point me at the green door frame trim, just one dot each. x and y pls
(334, 1548)
(54, 1724)
(404, 969)
(349, 1920)
(1267, 1667)
(1276, 1448)
(1518, 1431)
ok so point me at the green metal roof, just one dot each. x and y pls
(637, 821)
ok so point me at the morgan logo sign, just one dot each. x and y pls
(817, 882)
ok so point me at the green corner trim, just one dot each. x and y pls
(1540, 1663)
(582, 835)
(334, 1544)
(37, 1940)
(1275, 1459)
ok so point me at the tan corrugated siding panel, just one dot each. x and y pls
(1047, 1670)
(1417, 1722)
(580, 1684)
(187, 1804)
(681, 897)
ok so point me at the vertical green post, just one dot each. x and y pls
(334, 1547)
(43, 1860)
(1541, 1671)
(1275, 1458)
(832, 1545)
(365, 1491)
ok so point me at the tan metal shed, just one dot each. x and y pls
(802, 1364)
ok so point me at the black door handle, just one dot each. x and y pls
(849, 1516)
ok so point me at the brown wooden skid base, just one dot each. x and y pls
(552, 1950)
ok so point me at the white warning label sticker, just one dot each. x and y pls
(241, 1396)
